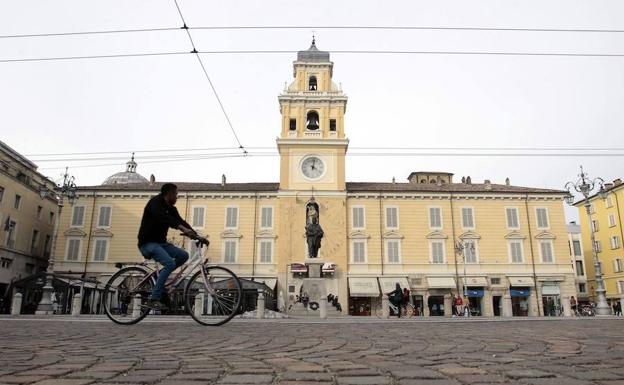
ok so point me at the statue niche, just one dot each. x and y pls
(313, 230)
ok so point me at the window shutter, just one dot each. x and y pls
(391, 217)
(198, 216)
(512, 218)
(267, 217)
(358, 217)
(78, 217)
(231, 217)
(104, 217)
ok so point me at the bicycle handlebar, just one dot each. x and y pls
(197, 238)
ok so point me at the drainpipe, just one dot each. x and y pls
(526, 206)
(453, 246)
(381, 240)
(186, 213)
(253, 260)
(617, 206)
(84, 272)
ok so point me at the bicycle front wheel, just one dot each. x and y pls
(126, 294)
(213, 295)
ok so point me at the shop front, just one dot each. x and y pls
(364, 296)
(520, 301)
(551, 299)
(439, 295)
(475, 300)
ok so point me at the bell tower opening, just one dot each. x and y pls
(312, 121)
(312, 86)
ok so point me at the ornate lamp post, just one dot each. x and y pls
(67, 189)
(585, 186)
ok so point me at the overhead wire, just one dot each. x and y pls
(318, 27)
(214, 90)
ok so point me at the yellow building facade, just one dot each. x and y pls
(375, 234)
(606, 221)
(28, 210)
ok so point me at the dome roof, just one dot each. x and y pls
(313, 55)
(126, 177)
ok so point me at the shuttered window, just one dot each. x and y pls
(231, 217)
(266, 251)
(73, 250)
(229, 251)
(542, 218)
(512, 218)
(266, 220)
(393, 251)
(435, 217)
(467, 218)
(100, 249)
(199, 214)
(392, 217)
(547, 252)
(515, 251)
(437, 252)
(359, 251)
(78, 216)
(104, 217)
(358, 218)
(470, 251)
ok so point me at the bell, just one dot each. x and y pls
(313, 123)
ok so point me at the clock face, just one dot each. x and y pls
(312, 167)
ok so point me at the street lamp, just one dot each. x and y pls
(585, 186)
(66, 189)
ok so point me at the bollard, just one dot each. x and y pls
(385, 306)
(260, 305)
(76, 305)
(16, 306)
(198, 309)
(323, 307)
(136, 306)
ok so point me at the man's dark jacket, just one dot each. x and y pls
(158, 217)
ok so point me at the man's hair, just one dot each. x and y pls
(167, 187)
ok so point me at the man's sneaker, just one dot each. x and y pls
(155, 304)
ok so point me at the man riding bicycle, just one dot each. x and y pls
(159, 215)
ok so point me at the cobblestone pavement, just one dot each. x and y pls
(570, 352)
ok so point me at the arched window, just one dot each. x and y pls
(312, 121)
(312, 84)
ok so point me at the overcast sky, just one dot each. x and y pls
(148, 103)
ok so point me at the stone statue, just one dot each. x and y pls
(314, 232)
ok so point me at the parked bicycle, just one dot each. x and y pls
(587, 311)
(212, 293)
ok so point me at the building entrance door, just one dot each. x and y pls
(360, 306)
(436, 305)
(497, 304)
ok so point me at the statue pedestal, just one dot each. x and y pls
(315, 267)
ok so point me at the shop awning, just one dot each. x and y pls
(388, 284)
(520, 292)
(363, 287)
(270, 282)
(441, 282)
(521, 281)
(478, 293)
(550, 290)
(475, 281)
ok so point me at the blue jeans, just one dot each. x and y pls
(169, 256)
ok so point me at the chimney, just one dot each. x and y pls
(223, 180)
(393, 180)
(468, 180)
(608, 186)
(463, 179)
(507, 182)
(438, 181)
(617, 181)
(488, 184)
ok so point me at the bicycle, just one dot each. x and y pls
(408, 310)
(212, 293)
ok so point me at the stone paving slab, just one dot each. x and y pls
(536, 352)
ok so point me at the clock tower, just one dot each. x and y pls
(312, 143)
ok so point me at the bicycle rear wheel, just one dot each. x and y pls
(126, 294)
(213, 295)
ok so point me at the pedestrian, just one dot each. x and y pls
(618, 308)
(524, 307)
(458, 303)
(550, 303)
(406, 297)
(574, 305)
(396, 298)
